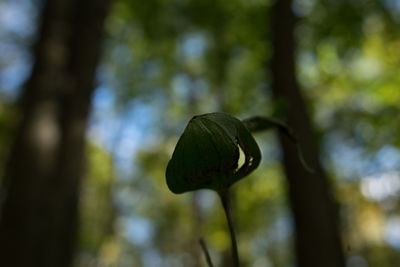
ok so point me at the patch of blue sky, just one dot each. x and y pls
(388, 158)
(181, 84)
(138, 230)
(17, 26)
(103, 125)
(9, 50)
(392, 231)
(308, 70)
(122, 134)
(207, 200)
(303, 7)
(282, 227)
(103, 99)
(392, 5)
(140, 116)
(185, 89)
(152, 258)
(347, 159)
(17, 17)
(14, 74)
(125, 199)
(122, 54)
(352, 161)
(127, 147)
(193, 45)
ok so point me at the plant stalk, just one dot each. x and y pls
(206, 253)
(225, 199)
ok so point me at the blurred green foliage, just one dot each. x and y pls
(182, 57)
(96, 207)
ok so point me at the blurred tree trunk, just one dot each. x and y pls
(41, 183)
(317, 237)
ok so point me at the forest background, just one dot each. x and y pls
(163, 62)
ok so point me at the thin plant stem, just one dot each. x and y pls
(225, 199)
(206, 253)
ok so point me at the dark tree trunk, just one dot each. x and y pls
(41, 183)
(317, 237)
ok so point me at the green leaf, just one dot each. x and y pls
(259, 123)
(207, 154)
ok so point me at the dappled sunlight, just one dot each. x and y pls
(392, 231)
(381, 187)
(165, 61)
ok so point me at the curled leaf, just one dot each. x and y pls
(207, 154)
(259, 123)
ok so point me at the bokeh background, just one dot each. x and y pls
(164, 61)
